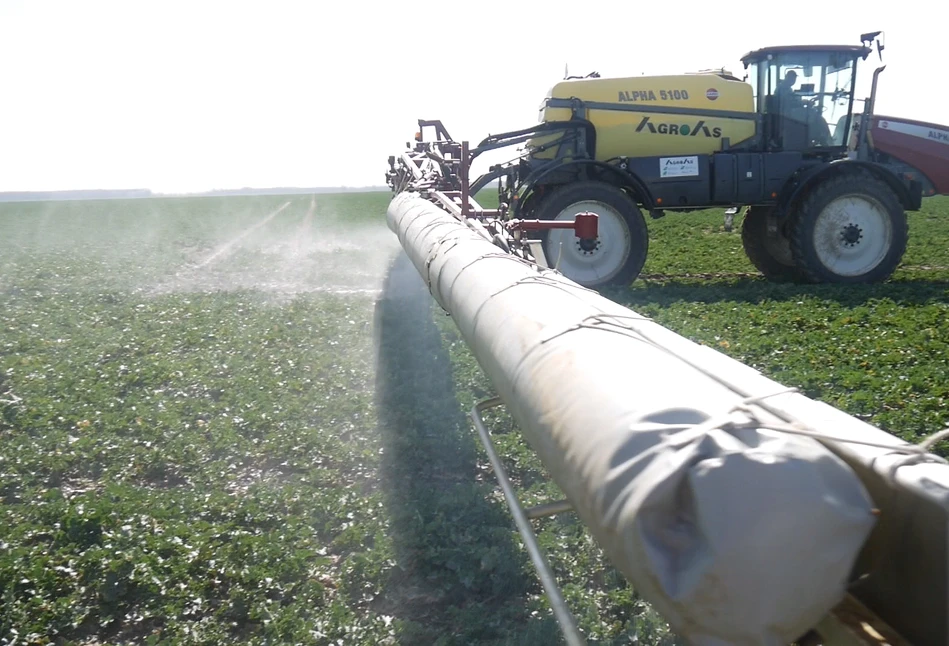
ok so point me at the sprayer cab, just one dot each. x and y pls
(805, 94)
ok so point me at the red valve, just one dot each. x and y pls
(585, 225)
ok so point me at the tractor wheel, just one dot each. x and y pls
(766, 246)
(619, 252)
(850, 229)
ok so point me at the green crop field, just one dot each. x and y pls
(243, 420)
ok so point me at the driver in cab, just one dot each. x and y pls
(792, 106)
(784, 92)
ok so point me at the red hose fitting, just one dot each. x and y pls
(585, 225)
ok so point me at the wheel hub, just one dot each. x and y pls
(851, 235)
(590, 260)
(588, 246)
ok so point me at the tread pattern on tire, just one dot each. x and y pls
(568, 194)
(803, 218)
(753, 227)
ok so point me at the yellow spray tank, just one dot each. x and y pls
(643, 116)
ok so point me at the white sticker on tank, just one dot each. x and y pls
(678, 166)
(923, 132)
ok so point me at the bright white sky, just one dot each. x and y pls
(189, 96)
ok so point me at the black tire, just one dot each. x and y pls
(875, 224)
(768, 250)
(627, 252)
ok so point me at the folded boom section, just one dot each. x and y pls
(744, 512)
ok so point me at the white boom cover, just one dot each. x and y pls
(743, 536)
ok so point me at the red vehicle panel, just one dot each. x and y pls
(924, 146)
